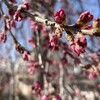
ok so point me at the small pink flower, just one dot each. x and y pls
(56, 13)
(54, 43)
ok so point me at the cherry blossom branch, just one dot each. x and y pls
(70, 28)
(18, 46)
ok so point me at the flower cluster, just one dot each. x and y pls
(33, 65)
(78, 46)
(36, 88)
(18, 16)
(22, 51)
(84, 19)
(25, 55)
(60, 16)
(54, 42)
(26, 5)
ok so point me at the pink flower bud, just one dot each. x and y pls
(78, 48)
(25, 55)
(36, 88)
(59, 16)
(83, 41)
(56, 14)
(86, 17)
(26, 5)
(78, 45)
(58, 19)
(62, 15)
(73, 48)
(17, 16)
(8, 24)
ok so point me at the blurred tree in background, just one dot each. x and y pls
(47, 57)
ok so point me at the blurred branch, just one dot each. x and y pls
(61, 81)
